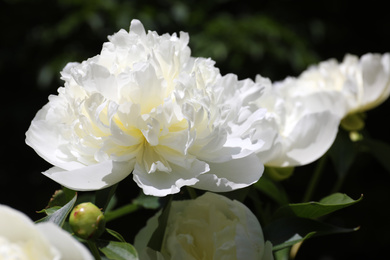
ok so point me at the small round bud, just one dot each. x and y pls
(87, 221)
(353, 122)
(279, 173)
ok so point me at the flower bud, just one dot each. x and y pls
(353, 122)
(87, 221)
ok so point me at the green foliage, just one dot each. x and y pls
(315, 210)
(343, 153)
(288, 231)
(117, 250)
(272, 189)
(57, 214)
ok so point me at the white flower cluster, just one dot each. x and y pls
(145, 106)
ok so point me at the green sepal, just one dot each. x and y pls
(279, 173)
(353, 122)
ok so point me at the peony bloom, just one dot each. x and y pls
(21, 239)
(145, 106)
(363, 82)
(299, 124)
(303, 113)
(209, 227)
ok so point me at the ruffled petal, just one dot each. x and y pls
(231, 175)
(161, 183)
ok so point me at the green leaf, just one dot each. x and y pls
(104, 196)
(61, 197)
(49, 211)
(314, 210)
(146, 201)
(272, 189)
(117, 250)
(292, 241)
(58, 217)
(116, 235)
(282, 254)
(286, 231)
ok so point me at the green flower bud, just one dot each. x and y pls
(353, 122)
(279, 173)
(87, 221)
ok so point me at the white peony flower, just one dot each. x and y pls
(303, 113)
(209, 227)
(21, 239)
(299, 124)
(367, 81)
(363, 82)
(145, 106)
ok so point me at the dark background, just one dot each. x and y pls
(271, 38)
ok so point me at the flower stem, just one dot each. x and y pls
(114, 214)
(94, 250)
(315, 179)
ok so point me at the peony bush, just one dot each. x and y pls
(208, 152)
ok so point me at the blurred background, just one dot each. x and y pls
(272, 38)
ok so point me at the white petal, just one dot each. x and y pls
(41, 137)
(163, 183)
(376, 79)
(231, 175)
(68, 246)
(249, 235)
(17, 228)
(92, 177)
(310, 139)
(137, 27)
